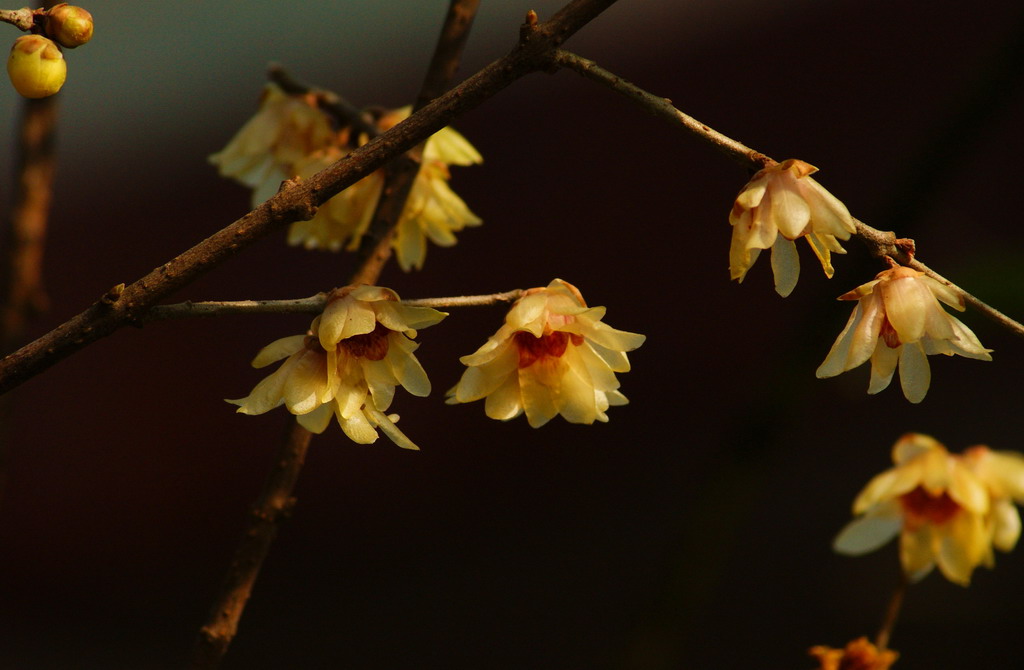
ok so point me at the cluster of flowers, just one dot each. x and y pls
(291, 137)
(553, 355)
(36, 64)
(898, 319)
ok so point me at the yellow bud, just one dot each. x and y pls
(36, 66)
(69, 25)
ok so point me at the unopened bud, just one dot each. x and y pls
(36, 66)
(69, 25)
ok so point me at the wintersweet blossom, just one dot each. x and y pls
(949, 510)
(553, 355)
(432, 211)
(347, 365)
(780, 204)
(898, 320)
(291, 137)
(283, 133)
(859, 654)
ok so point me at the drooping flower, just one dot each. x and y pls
(948, 510)
(898, 320)
(859, 654)
(267, 150)
(347, 365)
(553, 355)
(291, 137)
(779, 205)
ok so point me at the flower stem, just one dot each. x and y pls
(892, 612)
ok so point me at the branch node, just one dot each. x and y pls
(113, 295)
(528, 28)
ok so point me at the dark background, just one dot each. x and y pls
(694, 529)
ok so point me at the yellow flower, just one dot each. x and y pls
(948, 510)
(898, 319)
(266, 151)
(552, 356)
(432, 211)
(782, 203)
(859, 654)
(347, 366)
(346, 216)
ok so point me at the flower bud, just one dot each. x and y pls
(36, 66)
(69, 25)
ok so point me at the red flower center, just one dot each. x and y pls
(549, 345)
(921, 507)
(373, 345)
(888, 334)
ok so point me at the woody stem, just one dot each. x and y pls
(892, 612)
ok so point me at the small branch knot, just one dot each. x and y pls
(113, 295)
(528, 28)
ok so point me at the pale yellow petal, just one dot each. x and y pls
(878, 526)
(317, 420)
(390, 429)
(917, 554)
(883, 365)
(278, 349)
(506, 401)
(357, 428)
(785, 266)
(1006, 525)
(404, 366)
(915, 373)
(787, 208)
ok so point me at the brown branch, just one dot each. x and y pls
(216, 635)
(23, 292)
(881, 243)
(297, 201)
(22, 19)
(399, 176)
(274, 504)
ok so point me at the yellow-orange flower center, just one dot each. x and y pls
(372, 345)
(921, 507)
(548, 345)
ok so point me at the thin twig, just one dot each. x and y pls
(339, 109)
(22, 19)
(311, 305)
(892, 612)
(184, 310)
(297, 201)
(467, 300)
(880, 243)
(662, 108)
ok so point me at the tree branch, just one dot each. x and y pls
(297, 201)
(22, 19)
(880, 243)
(274, 504)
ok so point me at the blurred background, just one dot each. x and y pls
(691, 531)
